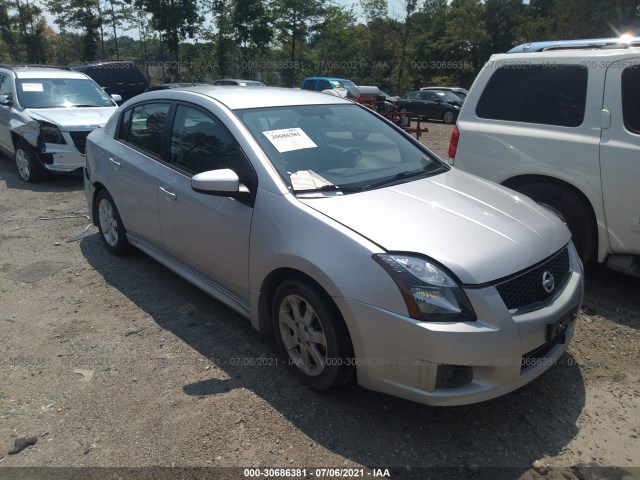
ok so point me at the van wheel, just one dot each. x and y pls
(29, 166)
(571, 210)
(311, 336)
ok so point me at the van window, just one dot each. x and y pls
(543, 94)
(631, 98)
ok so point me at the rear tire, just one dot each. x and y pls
(112, 231)
(312, 336)
(29, 167)
(571, 210)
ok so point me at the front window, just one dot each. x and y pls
(337, 147)
(61, 92)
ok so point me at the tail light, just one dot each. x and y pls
(453, 144)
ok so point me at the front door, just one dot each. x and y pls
(6, 88)
(210, 234)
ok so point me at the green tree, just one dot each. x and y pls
(23, 31)
(176, 20)
(251, 22)
(296, 19)
(465, 39)
(503, 19)
(375, 9)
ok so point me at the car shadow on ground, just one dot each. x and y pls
(369, 428)
(54, 182)
(618, 288)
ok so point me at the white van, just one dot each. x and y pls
(560, 123)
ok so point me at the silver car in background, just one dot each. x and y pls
(46, 114)
(320, 221)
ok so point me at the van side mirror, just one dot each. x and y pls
(6, 100)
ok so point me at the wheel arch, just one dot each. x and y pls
(271, 283)
(98, 187)
(516, 182)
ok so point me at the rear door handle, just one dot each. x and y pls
(114, 163)
(170, 195)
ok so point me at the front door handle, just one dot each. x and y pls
(115, 164)
(170, 196)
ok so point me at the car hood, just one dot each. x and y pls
(73, 117)
(479, 230)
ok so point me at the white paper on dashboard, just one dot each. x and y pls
(32, 87)
(289, 139)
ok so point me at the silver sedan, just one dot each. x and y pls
(367, 256)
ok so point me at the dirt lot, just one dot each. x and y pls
(117, 362)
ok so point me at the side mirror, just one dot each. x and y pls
(116, 98)
(217, 182)
(6, 100)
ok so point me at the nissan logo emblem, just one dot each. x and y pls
(548, 282)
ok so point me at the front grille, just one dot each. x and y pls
(80, 140)
(526, 291)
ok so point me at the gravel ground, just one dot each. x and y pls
(117, 362)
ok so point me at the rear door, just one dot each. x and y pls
(134, 165)
(620, 156)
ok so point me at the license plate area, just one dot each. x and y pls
(558, 327)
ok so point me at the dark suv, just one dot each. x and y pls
(120, 77)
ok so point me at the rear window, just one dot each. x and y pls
(631, 99)
(543, 94)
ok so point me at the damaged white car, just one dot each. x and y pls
(45, 117)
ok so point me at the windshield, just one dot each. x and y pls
(61, 92)
(336, 147)
(343, 83)
(448, 96)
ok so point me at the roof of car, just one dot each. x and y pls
(47, 73)
(589, 43)
(238, 99)
(453, 89)
(239, 80)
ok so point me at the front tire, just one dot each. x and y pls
(112, 230)
(571, 210)
(29, 167)
(449, 117)
(311, 336)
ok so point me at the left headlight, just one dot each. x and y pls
(50, 133)
(430, 293)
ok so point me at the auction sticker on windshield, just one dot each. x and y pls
(289, 139)
(32, 87)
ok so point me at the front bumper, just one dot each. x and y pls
(65, 157)
(401, 356)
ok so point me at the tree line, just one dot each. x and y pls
(281, 41)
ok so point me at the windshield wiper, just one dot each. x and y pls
(329, 188)
(81, 105)
(399, 176)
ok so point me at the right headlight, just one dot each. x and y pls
(430, 293)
